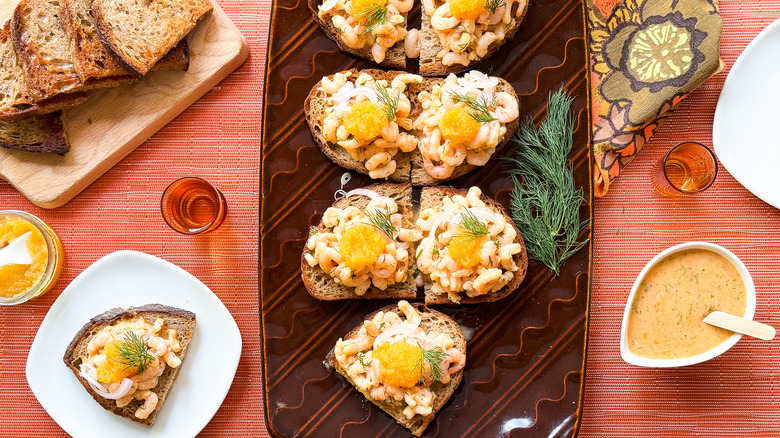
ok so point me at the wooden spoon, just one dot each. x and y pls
(740, 325)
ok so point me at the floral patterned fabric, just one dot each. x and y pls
(645, 57)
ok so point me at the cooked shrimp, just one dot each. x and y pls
(150, 403)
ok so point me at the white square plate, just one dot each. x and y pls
(123, 279)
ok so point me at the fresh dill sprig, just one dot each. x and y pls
(133, 353)
(493, 5)
(545, 201)
(372, 17)
(471, 228)
(390, 103)
(480, 107)
(434, 358)
(380, 219)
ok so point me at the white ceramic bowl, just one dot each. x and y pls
(750, 291)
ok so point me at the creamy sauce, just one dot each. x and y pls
(676, 294)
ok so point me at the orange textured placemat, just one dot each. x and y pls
(738, 393)
(218, 138)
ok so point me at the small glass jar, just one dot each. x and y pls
(55, 257)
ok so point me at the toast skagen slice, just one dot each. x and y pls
(182, 321)
(431, 198)
(430, 44)
(140, 32)
(432, 320)
(395, 57)
(321, 286)
(410, 166)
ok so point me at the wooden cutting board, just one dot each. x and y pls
(113, 122)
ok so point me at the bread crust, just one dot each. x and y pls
(430, 65)
(521, 259)
(39, 133)
(443, 392)
(171, 315)
(410, 165)
(395, 57)
(315, 279)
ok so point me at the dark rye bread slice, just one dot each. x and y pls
(182, 321)
(431, 320)
(395, 57)
(43, 134)
(314, 109)
(16, 97)
(141, 32)
(321, 286)
(92, 60)
(432, 198)
(420, 177)
(430, 45)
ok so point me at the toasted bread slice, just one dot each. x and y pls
(314, 109)
(431, 321)
(321, 286)
(180, 320)
(43, 48)
(432, 198)
(430, 44)
(16, 96)
(140, 32)
(395, 57)
(92, 60)
(44, 134)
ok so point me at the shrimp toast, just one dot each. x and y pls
(452, 44)
(123, 330)
(427, 322)
(335, 285)
(406, 128)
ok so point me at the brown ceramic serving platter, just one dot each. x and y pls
(526, 354)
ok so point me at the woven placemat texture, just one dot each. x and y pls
(218, 139)
(738, 393)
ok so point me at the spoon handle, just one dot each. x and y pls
(741, 325)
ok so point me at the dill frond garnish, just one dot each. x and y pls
(372, 17)
(493, 5)
(471, 228)
(380, 219)
(480, 107)
(133, 352)
(390, 103)
(434, 358)
(545, 201)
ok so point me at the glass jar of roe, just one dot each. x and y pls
(23, 282)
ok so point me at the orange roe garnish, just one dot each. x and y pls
(458, 126)
(361, 245)
(17, 279)
(400, 364)
(365, 121)
(112, 371)
(466, 252)
(361, 9)
(467, 9)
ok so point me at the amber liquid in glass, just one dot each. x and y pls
(192, 205)
(688, 168)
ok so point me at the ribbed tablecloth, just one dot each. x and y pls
(218, 138)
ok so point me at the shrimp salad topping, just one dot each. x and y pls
(368, 24)
(392, 359)
(125, 361)
(363, 248)
(463, 119)
(369, 119)
(468, 28)
(468, 248)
